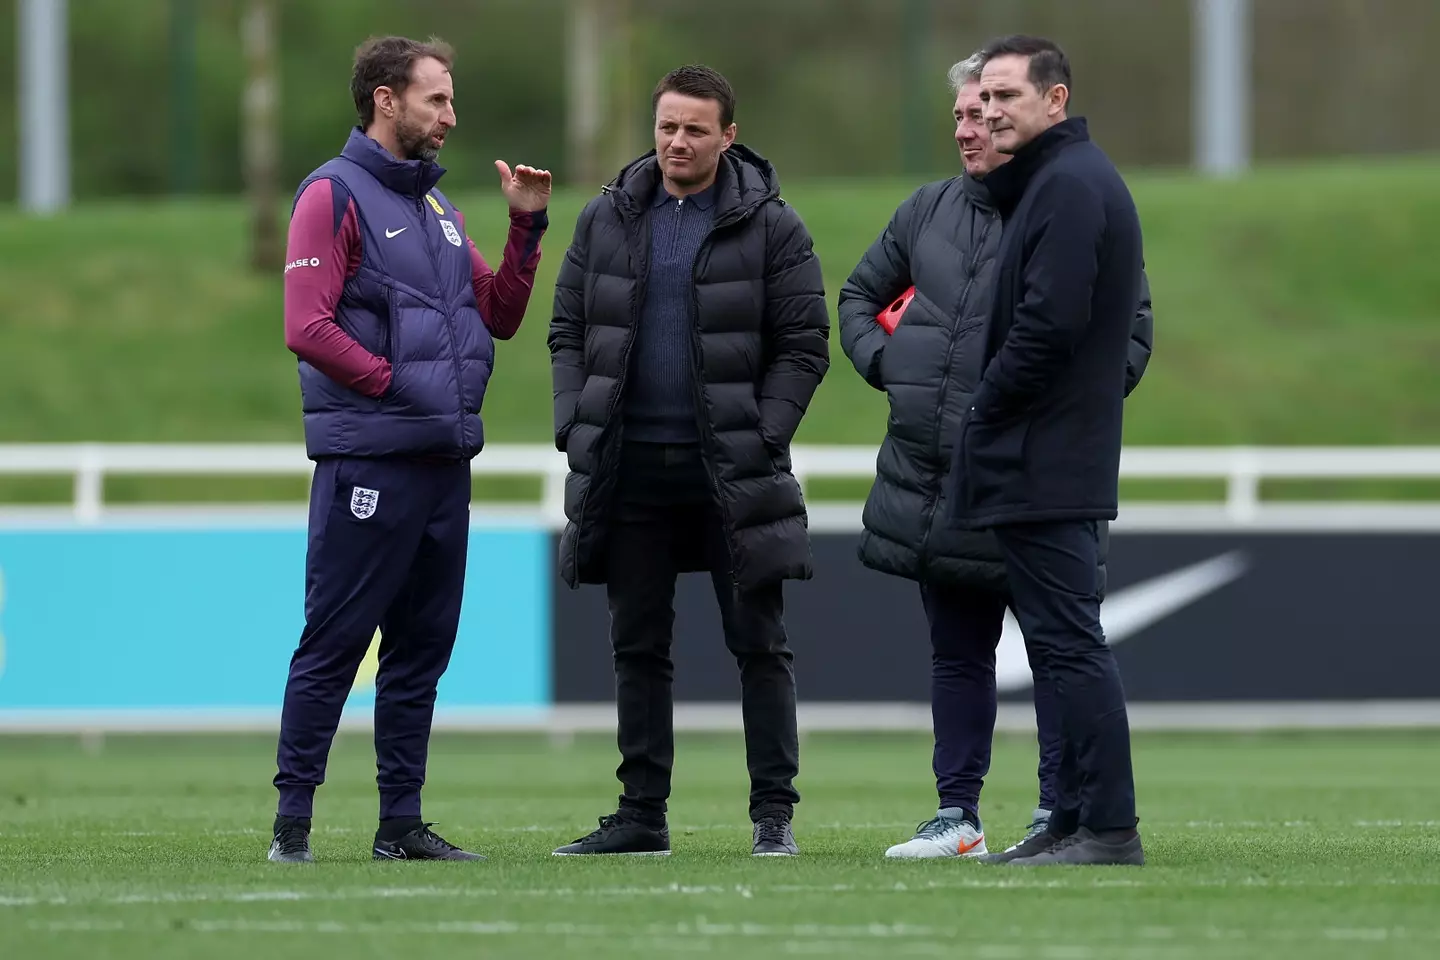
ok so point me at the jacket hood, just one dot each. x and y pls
(744, 181)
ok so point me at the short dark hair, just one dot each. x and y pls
(695, 80)
(386, 62)
(1048, 64)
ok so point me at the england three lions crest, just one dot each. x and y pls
(363, 502)
(451, 233)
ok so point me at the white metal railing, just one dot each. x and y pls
(1242, 468)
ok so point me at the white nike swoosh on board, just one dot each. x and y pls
(1126, 612)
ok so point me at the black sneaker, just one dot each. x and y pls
(623, 835)
(422, 843)
(1036, 841)
(1085, 848)
(773, 838)
(292, 841)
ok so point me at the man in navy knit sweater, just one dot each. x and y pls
(689, 334)
(660, 405)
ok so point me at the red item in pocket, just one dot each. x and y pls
(889, 318)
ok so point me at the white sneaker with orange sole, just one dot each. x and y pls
(941, 837)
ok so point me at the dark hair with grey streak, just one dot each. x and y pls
(701, 82)
(1048, 64)
(387, 62)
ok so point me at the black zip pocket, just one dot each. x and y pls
(388, 337)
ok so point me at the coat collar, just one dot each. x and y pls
(976, 191)
(1007, 182)
(705, 199)
(744, 181)
(410, 178)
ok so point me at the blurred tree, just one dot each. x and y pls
(917, 27)
(183, 130)
(628, 138)
(827, 88)
(584, 116)
(261, 135)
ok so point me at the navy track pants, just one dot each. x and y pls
(387, 549)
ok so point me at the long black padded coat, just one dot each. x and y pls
(944, 239)
(760, 336)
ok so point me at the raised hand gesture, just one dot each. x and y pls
(527, 189)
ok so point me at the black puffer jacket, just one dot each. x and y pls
(761, 347)
(944, 239)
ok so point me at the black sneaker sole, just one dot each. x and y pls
(378, 856)
(612, 853)
(1098, 855)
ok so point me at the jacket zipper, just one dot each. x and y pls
(449, 314)
(932, 502)
(702, 421)
(387, 333)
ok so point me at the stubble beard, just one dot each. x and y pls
(414, 142)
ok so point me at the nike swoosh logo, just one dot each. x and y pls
(391, 855)
(965, 848)
(1126, 612)
(394, 233)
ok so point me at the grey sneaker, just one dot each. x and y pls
(773, 838)
(1037, 837)
(1084, 848)
(1039, 823)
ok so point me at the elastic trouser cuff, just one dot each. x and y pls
(296, 801)
(399, 802)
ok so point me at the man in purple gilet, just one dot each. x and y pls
(393, 314)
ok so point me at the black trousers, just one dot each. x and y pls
(387, 549)
(965, 627)
(1054, 582)
(665, 512)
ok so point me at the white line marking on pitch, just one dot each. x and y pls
(744, 891)
(700, 929)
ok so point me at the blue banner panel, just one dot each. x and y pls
(206, 618)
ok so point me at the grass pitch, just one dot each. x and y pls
(1275, 846)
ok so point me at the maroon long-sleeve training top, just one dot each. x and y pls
(311, 295)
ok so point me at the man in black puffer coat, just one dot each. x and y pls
(945, 240)
(689, 334)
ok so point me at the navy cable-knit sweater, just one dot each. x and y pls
(660, 399)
